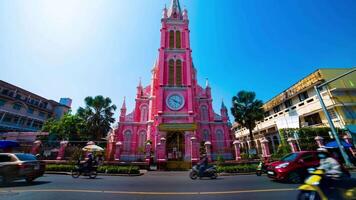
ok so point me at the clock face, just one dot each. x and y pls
(175, 101)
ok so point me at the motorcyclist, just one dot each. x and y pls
(329, 164)
(89, 162)
(203, 165)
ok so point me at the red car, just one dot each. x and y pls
(294, 167)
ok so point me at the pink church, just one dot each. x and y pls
(173, 116)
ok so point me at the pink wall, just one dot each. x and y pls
(156, 93)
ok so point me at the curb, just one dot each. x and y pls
(99, 174)
(236, 174)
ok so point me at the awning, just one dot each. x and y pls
(333, 144)
(351, 128)
(5, 144)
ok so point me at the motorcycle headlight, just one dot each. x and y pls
(283, 165)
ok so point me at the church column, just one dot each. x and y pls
(319, 140)
(148, 153)
(194, 157)
(237, 150)
(163, 150)
(188, 64)
(36, 147)
(118, 150)
(207, 145)
(62, 149)
(293, 143)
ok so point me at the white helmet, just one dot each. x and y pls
(322, 149)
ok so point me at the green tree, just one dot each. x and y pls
(98, 115)
(247, 111)
(69, 127)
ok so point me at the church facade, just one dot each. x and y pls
(173, 118)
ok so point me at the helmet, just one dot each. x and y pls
(322, 149)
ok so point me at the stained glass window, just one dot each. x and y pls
(171, 73)
(142, 139)
(171, 39)
(127, 141)
(220, 139)
(178, 40)
(179, 72)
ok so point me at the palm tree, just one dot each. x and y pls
(247, 111)
(98, 115)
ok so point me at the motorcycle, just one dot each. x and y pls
(261, 168)
(211, 172)
(319, 187)
(80, 169)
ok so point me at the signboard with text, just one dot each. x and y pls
(177, 127)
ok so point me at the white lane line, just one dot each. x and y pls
(150, 193)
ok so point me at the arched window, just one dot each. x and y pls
(141, 139)
(171, 73)
(171, 39)
(220, 139)
(206, 136)
(178, 40)
(204, 113)
(179, 72)
(144, 114)
(127, 141)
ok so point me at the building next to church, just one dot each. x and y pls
(173, 116)
(24, 111)
(299, 107)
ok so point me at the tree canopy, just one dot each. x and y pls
(247, 110)
(98, 115)
(90, 123)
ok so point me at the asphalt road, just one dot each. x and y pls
(153, 185)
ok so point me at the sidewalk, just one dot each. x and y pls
(142, 172)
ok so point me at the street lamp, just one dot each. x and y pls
(332, 127)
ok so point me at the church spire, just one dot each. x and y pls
(123, 111)
(223, 104)
(175, 10)
(123, 107)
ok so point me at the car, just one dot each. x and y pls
(294, 166)
(17, 166)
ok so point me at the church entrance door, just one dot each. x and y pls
(175, 146)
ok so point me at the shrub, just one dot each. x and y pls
(59, 168)
(281, 151)
(110, 169)
(220, 160)
(244, 168)
(244, 156)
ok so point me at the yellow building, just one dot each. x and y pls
(299, 106)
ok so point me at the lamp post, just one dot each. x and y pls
(332, 127)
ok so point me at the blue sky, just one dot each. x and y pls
(79, 48)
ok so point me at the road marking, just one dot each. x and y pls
(149, 193)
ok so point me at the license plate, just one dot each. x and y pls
(270, 173)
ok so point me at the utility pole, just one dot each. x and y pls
(332, 127)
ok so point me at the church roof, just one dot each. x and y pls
(147, 90)
(217, 117)
(130, 117)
